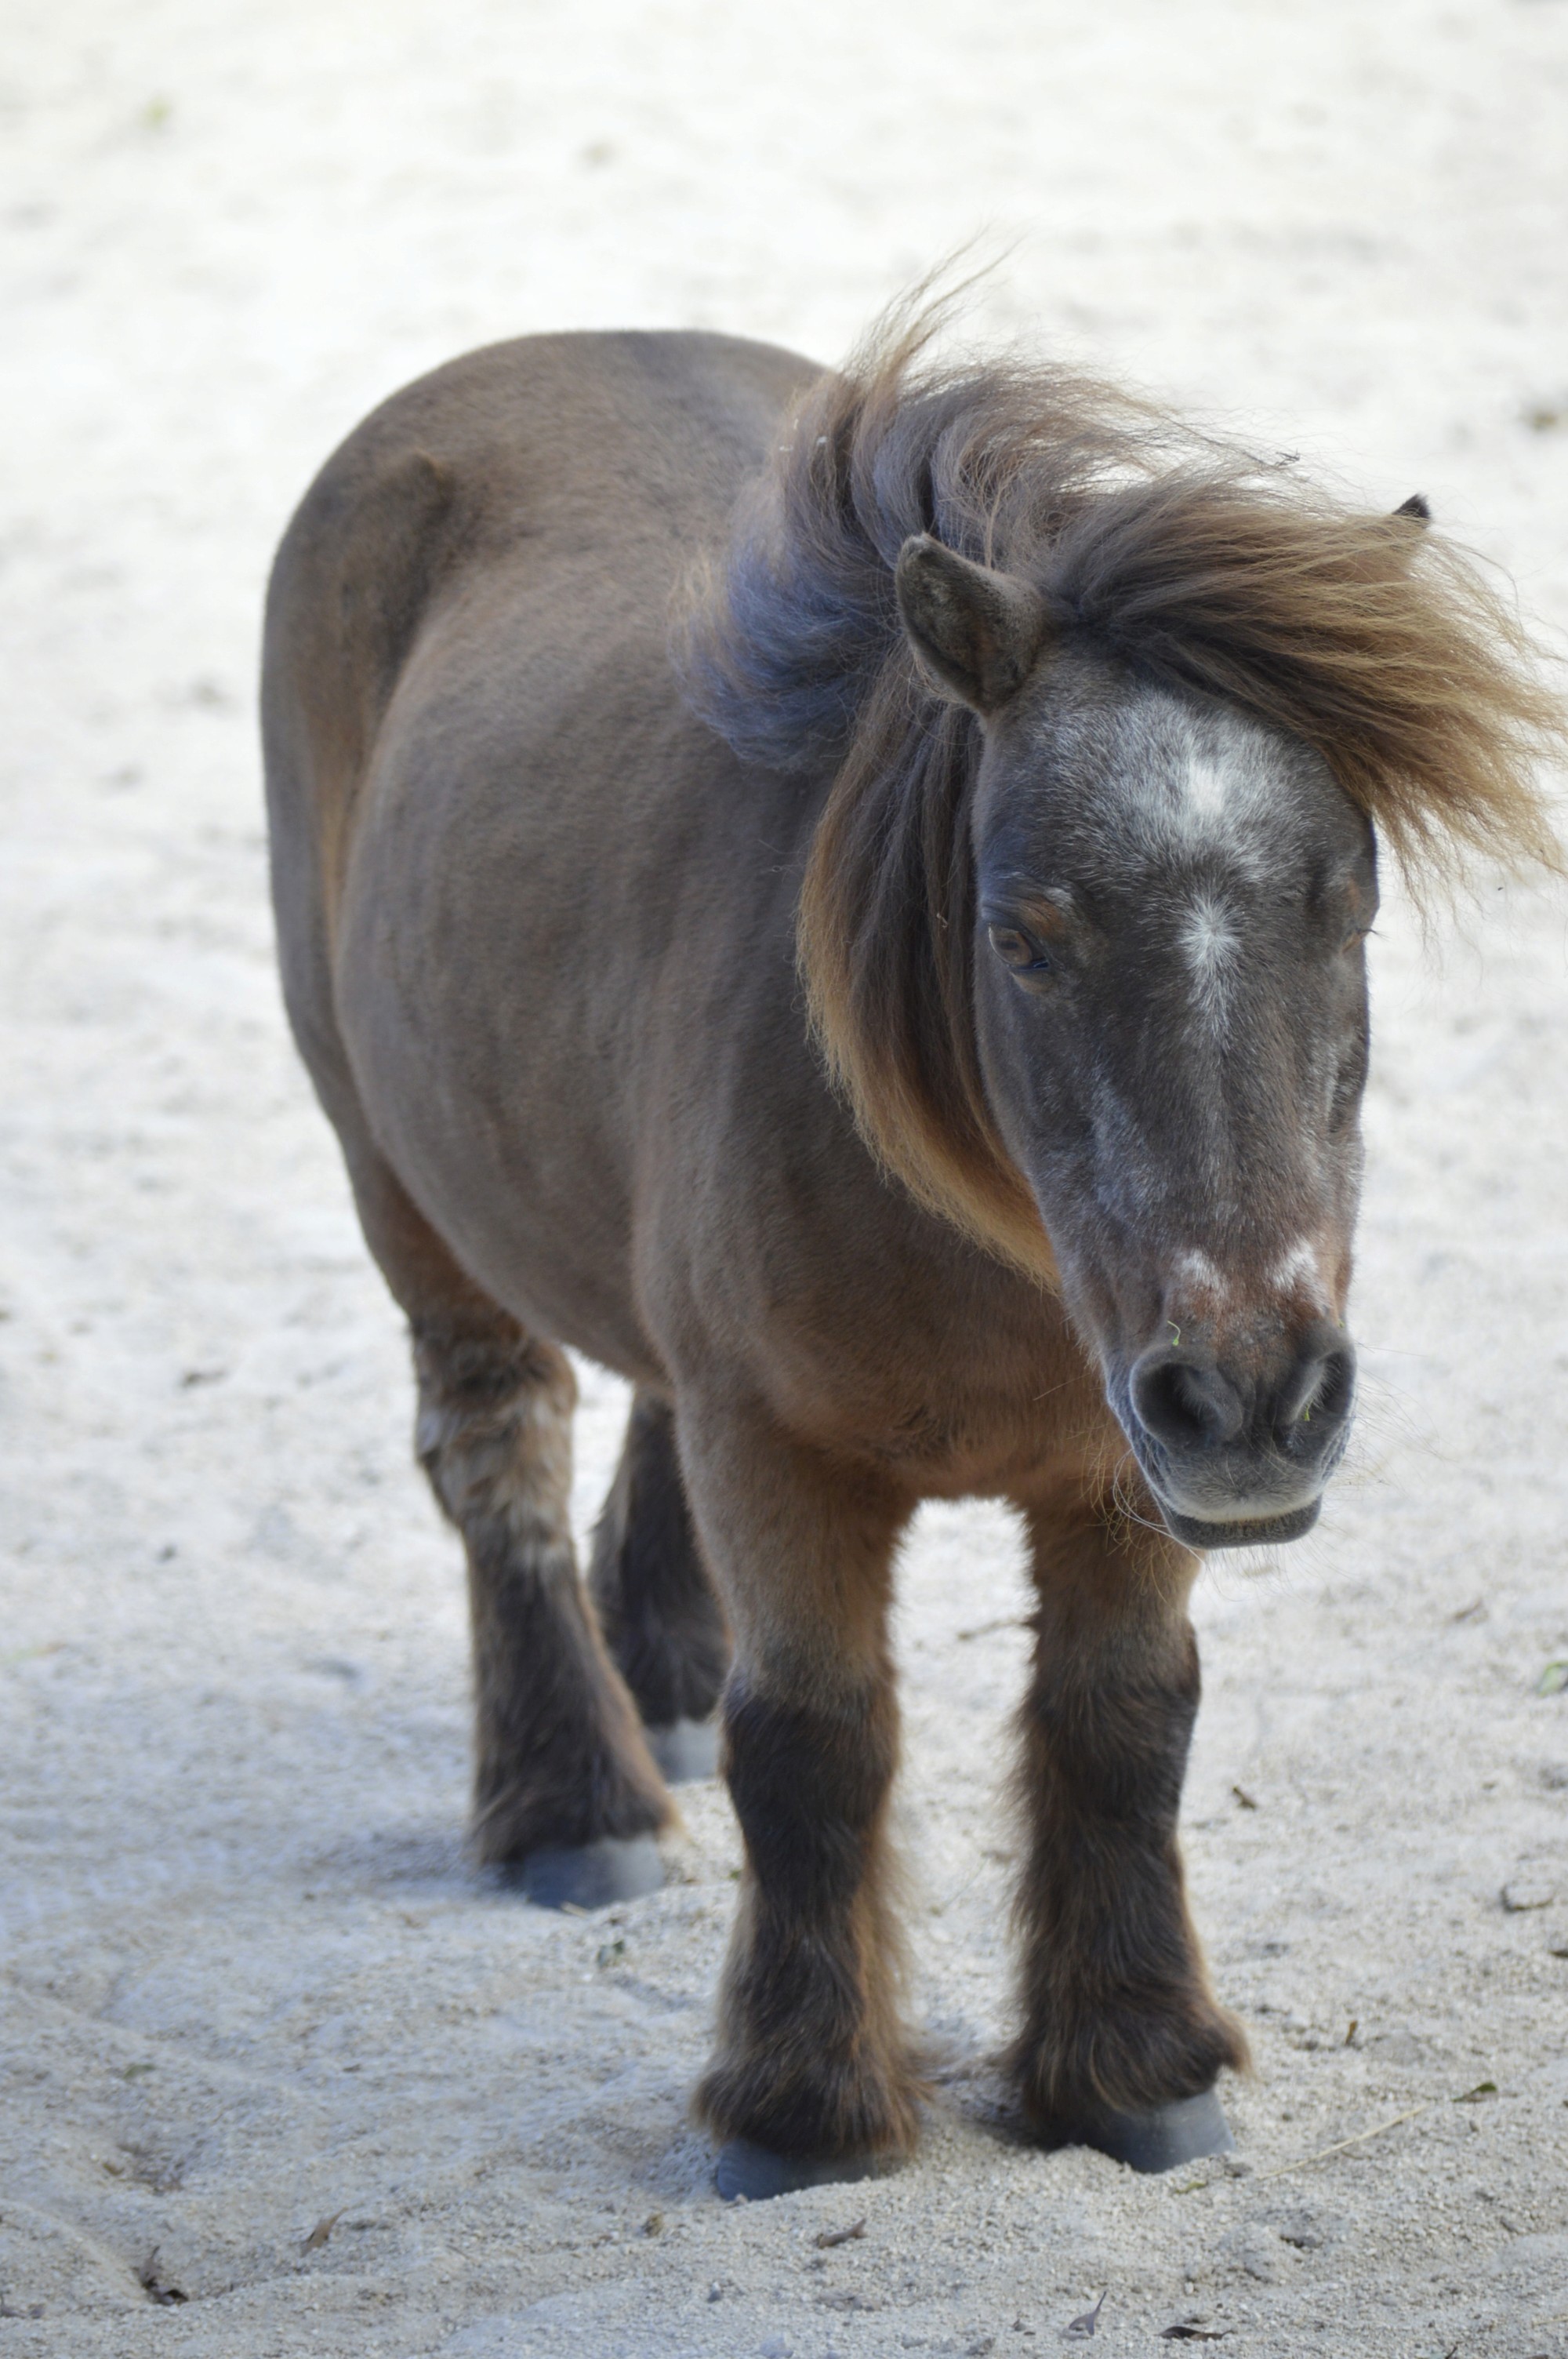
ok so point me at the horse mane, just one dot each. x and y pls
(1189, 559)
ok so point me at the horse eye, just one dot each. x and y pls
(1018, 950)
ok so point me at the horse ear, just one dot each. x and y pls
(1402, 533)
(976, 631)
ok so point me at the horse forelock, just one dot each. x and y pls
(1189, 563)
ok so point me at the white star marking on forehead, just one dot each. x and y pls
(1186, 786)
(1221, 796)
(1205, 791)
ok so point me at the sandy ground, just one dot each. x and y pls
(250, 1987)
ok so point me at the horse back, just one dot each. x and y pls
(542, 458)
(537, 921)
(478, 756)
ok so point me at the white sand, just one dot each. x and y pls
(249, 1982)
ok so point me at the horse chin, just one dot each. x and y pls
(1250, 1531)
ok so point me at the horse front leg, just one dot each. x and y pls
(1122, 2038)
(811, 2078)
(662, 1622)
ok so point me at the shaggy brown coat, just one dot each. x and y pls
(953, 644)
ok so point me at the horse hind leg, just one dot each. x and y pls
(565, 1794)
(662, 1621)
(567, 1797)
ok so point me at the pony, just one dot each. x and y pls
(840, 896)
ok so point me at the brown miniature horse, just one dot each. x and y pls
(841, 896)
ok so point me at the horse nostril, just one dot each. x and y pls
(1316, 1396)
(1184, 1404)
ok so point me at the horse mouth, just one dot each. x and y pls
(1247, 1531)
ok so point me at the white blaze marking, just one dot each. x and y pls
(1292, 1267)
(1194, 1269)
(1212, 946)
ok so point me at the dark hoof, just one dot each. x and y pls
(589, 1876)
(1182, 2131)
(685, 1750)
(757, 2172)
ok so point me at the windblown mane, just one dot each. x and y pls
(1192, 561)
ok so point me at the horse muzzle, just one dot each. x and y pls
(1236, 1449)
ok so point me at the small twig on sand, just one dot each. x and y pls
(1323, 2152)
(831, 2236)
(1085, 2325)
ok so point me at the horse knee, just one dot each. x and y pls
(810, 1783)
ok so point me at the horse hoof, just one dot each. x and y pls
(685, 1750)
(1183, 2131)
(589, 1876)
(757, 2172)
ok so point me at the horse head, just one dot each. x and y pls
(1171, 903)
